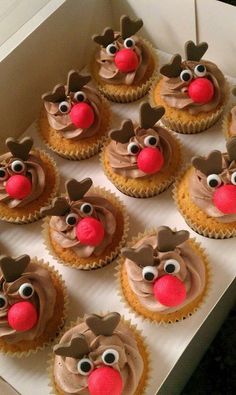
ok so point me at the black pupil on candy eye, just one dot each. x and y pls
(200, 68)
(170, 268)
(112, 49)
(152, 141)
(63, 108)
(86, 209)
(186, 76)
(85, 366)
(2, 302)
(149, 276)
(27, 291)
(2, 173)
(71, 220)
(213, 183)
(79, 97)
(109, 358)
(134, 149)
(18, 167)
(129, 43)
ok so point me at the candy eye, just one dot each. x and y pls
(129, 42)
(72, 219)
(200, 70)
(233, 178)
(26, 290)
(80, 96)
(186, 75)
(110, 356)
(111, 49)
(213, 181)
(85, 366)
(133, 148)
(3, 174)
(64, 107)
(18, 166)
(86, 208)
(149, 273)
(150, 141)
(171, 266)
(3, 302)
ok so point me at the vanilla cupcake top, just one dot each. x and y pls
(22, 177)
(83, 220)
(98, 355)
(193, 84)
(164, 271)
(137, 151)
(212, 185)
(27, 298)
(74, 109)
(123, 58)
(232, 127)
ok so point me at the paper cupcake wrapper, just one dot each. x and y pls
(226, 122)
(177, 316)
(78, 153)
(97, 263)
(36, 215)
(46, 343)
(142, 388)
(137, 91)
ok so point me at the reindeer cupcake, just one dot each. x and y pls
(206, 193)
(28, 181)
(32, 305)
(87, 227)
(163, 275)
(142, 160)
(75, 118)
(100, 355)
(193, 91)
(229, 121)
(125, 64)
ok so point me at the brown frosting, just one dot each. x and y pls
(233, 121)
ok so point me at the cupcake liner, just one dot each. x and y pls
(38, 345)
(81, 149)
(169, 318)
(35, 214)
(209, 227)
(97, 262)
(142, 346)
(226, 122)
(131, 93)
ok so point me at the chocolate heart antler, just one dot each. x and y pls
(59, 207)
(77, 189)
(149, 115)
(124, 134)
(212, 164)
(20, 148)
(173, 68)
(231, 148)
(106, 38)
(167, 239)
(77, 348)
(12, 268)
(76, 81)
(104, 326)
(195, 52)
(142, 255)
(129, 27)
(57, 95)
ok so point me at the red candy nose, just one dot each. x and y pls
(105, 381)
(201, 90)
(82, 115)
(126, 60)
(18, 186)
(224, 199)
(90, 231)
(150, 160)
(22, 316)
(169, 290)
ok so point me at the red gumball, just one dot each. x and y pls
(169, 290)
(126, 60)
(150, 160)
(22, 316)
(90, 231)
(105, 381)
(18, 186)
(82, 115)
(224, 199)
(201, 90)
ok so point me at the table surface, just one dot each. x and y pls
(89, 291)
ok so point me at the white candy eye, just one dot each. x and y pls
(200, 70)
(233, 178)
(18, 166)
(85, 366)
(129, 42)
(64, 107)
(3, 174)
(3, 302)
(213, 180)
(171, 266)
(26, 290)
(111, 49)
(186, 75)
(149, 273)
(110, 356)
(86, 208)
(72, 219)
(80, 96)
(150, 141)
(133, 148)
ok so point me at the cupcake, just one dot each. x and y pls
(163, 275)
(229, 121)
(193, 91)
(85, 228)
(33, 303)
(75, 118)
(206, 193)
(100, 355)
(124, 65)
(142, 160)
(28, 181)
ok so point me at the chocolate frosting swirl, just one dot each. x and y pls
(233, 121)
